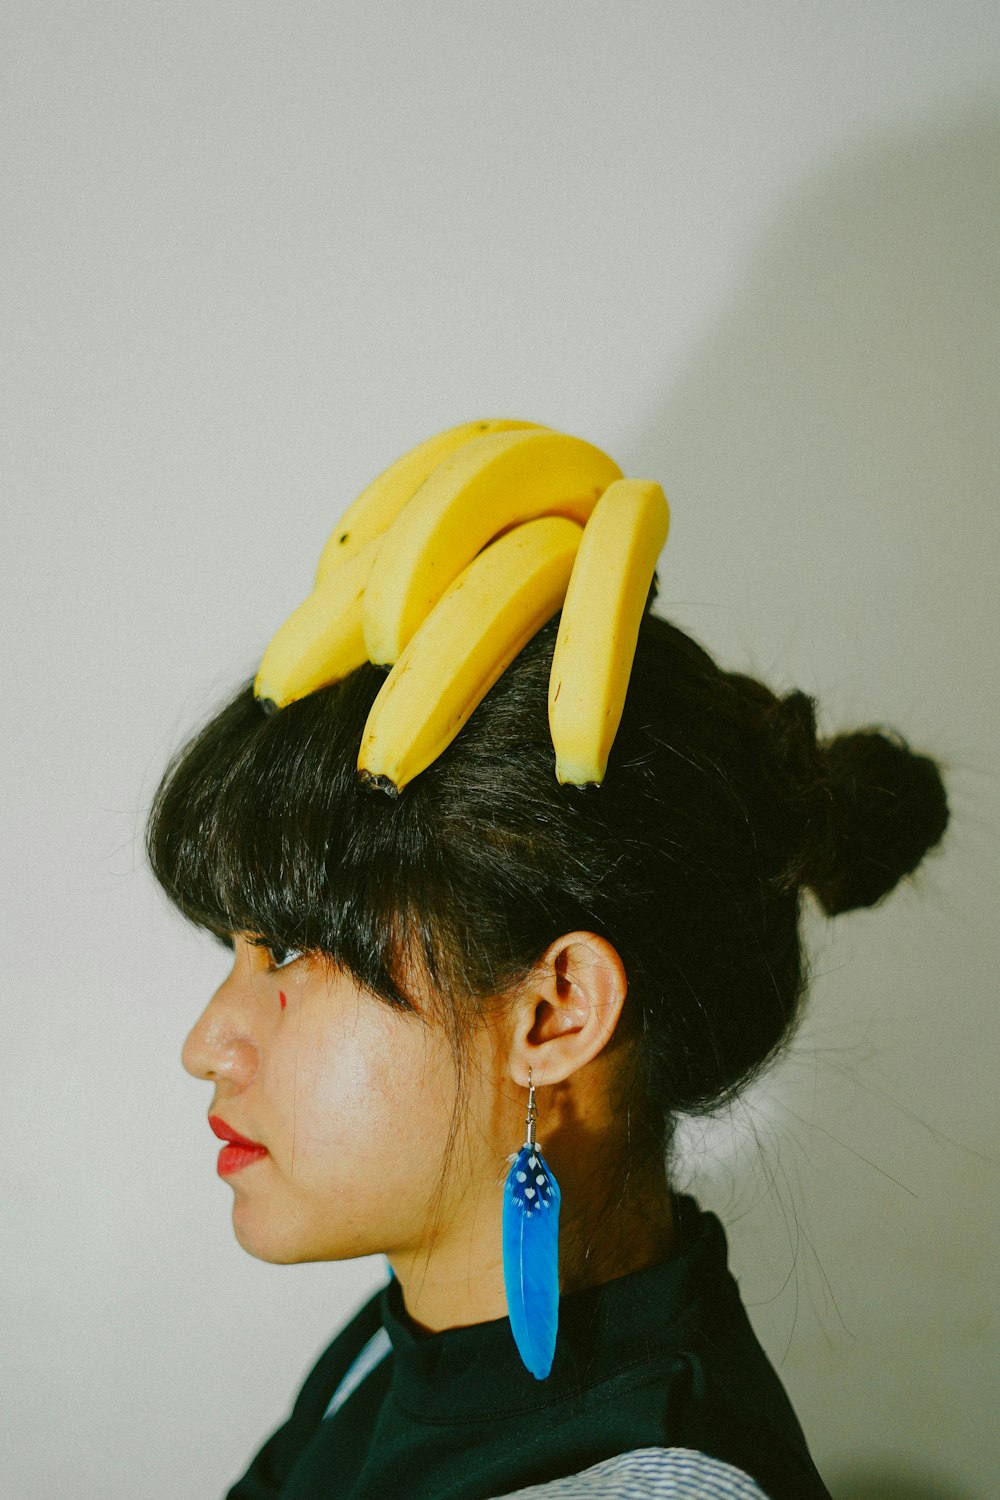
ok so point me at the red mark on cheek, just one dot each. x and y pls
(281, 997)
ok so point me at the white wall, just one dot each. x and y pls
(253, 252)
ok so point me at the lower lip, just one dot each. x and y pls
(234, 1158)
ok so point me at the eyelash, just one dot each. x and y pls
(281, 958)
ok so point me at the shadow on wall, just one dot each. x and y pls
(831, 452)
(868, 1484)
(847, 397)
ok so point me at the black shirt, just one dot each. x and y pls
(664, 1357)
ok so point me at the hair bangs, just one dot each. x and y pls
(262, 827)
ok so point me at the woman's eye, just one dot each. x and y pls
(282, 957)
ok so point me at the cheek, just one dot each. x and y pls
(358, 1087)
(410, 1104)
(317, 1088)
(380, 1109)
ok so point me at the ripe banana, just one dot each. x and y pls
(477, 627)
(490, 484)
(599, 625)
(375, 509)
(322, 641)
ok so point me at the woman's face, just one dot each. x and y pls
(351, 1099)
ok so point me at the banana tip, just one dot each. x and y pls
(379, 783)
(581, 781)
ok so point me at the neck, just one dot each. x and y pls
(456, 1278)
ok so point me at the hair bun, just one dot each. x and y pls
(886, 807)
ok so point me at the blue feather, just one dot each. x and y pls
(531, 1258)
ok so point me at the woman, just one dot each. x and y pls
(410, 975)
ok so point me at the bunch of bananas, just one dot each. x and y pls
(447, 565)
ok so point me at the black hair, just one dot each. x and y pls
(718, 809)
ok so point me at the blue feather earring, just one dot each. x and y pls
(531, 1201)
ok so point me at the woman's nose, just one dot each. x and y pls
(221, 1043)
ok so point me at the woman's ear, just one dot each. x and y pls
(568, 1009)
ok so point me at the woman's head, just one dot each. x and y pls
(344, 1106)
(689, 862)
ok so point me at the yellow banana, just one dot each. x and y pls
(494, 607)
(323, 640)
(599, 625)
(487, 486)
(375, 509)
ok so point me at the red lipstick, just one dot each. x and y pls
(239, 1152)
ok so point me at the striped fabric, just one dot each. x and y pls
(649, 1474)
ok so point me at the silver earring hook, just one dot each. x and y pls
(529, 1139)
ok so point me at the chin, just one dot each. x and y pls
(269, 1242)
(280, 1245)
